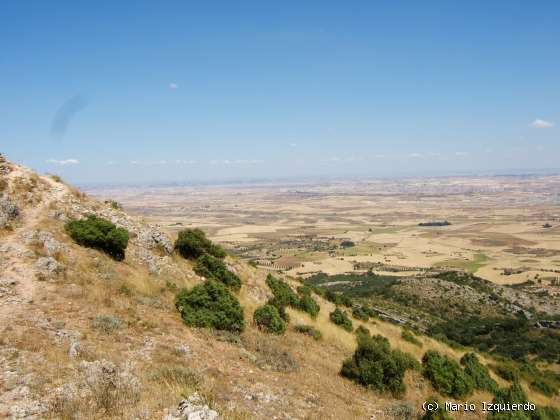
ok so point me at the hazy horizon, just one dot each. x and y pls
(136, 92)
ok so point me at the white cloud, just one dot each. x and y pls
(173, 86)
(541, 124)
(462, 154)
(235, 162)
(64, 161)
(415, 155)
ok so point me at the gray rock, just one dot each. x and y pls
(183, 349)
(48, 266)
(192, 408)
(44, 238)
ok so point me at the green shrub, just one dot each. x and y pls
(309, 305)
(548, 413)
(513, 394)
(338, 299)
(309, 330)
(478, 373)
(340, 318)
(506, 371)
(362, 330)
(283, 293)
(544, 387)
(215, 269)
(210, 305)
(374, 364)
(192, 243)
(409, 336)
(268, 319)
(98, 233)
(284, 296)
(359, 313)
(446, 375)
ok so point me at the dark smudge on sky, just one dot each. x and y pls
(66, 113)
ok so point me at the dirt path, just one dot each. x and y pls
(17, 273)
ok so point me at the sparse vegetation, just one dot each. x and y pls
(268, 319)
(210, 305)
(446, 375)
(309, 330)
(374, 364)
(96, 232)
(192, 243)
(409, 336)
(271, 354)
(340, 318)
(176, 375)
(107, 323)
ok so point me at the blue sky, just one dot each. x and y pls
(180, 91)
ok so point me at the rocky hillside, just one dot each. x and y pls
(84, 336)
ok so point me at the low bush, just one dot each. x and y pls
(513, 394)
(340, 318)
(507, 371)
(544, 387)
(401, 410)
(409, 336)
(268, 319)
(359, 313)
(96, 232)
(271, 354)
(478, 373)
(446, 375)
(283, 293)
(362, 330)
(210, 305)
(107, 323)
(308, 304)
(284, 296)
(374, 364)
(215, 269)
(192, 243)
(309, 330)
